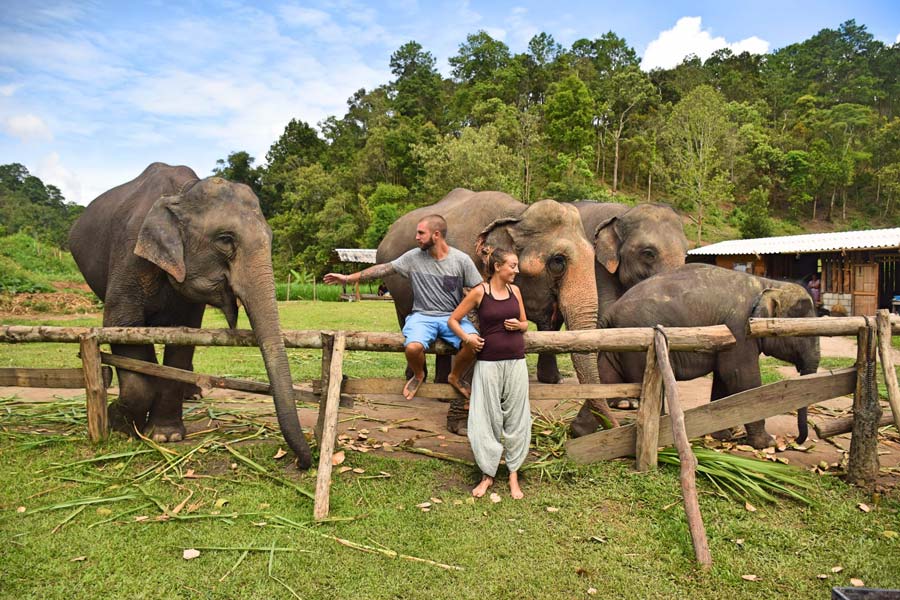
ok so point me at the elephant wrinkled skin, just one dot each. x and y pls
(699, 295)
(157, 250)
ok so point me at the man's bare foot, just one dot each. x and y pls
(411, 387)
(481, 489)
(463, 389)
(514, 490)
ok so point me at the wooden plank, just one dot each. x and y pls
(744, 407)
(833, 427)
(686, 458)
(444, 391)
(48, 378)
(812, 326)
(647, 424)
(882, 320)
(700, 339)
(95, 390)
(327, 352)
(201, 379)
(329, 431)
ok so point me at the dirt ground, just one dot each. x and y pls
(384, 423)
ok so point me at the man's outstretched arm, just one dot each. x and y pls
(373, 272)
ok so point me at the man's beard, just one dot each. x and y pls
(426, 246)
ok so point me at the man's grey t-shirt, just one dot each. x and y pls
(437, 285)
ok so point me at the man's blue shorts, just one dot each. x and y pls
(426, 329)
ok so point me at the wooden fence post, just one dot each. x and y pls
(329, 429)
(862, 468)
(647, 425)
(883, 321)
(327, 352)
(685, 454)
(94, 388)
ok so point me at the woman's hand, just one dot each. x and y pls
(474, 341)
(515, 325)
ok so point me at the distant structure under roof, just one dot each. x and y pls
(874, 239)
(357, 255)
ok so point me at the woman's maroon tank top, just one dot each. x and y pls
(499, 344)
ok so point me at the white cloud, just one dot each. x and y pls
(688, 37)
(27, 127)
(51, 171)
(8, 90)
(897, 39)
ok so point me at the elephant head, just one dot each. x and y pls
(215, 246)
(788, 301)
(643, 241)
(556, 269)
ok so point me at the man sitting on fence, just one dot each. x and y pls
(439, 275)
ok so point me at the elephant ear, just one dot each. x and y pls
(159, 240)
(484, 249)
(606, 244)
(768, 304)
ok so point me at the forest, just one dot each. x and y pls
(807, 136)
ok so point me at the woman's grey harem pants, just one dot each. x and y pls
(499, 414)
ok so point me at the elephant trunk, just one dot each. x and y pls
(255, 286)
(579, 305)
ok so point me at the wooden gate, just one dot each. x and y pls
(865, 289)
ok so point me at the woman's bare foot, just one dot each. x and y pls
(514, 490)
(481, 489)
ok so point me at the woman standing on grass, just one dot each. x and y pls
(499, 413)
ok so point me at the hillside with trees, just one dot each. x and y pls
(804, 138)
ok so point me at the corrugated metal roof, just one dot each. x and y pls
(358, 255)
(874, 239)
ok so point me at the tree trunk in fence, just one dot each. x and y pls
(95, 389)
(685, 454)
(329, 409)
(887, 363)
(647, 425)
(863, 465)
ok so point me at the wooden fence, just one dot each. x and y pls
(641, 439)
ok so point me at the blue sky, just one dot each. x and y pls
(93, 91)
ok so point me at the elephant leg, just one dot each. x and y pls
(720, 390)
(165, 423)
(586, 421)
(137, 393)
(547, 368)
(442, 367)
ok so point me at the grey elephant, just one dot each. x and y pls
(556, 261)
(698, 295)
(631, 243)
(157, 250)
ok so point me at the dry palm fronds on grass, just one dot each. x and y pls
(548, 443)
(743, 478)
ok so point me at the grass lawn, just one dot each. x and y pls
(118, 526)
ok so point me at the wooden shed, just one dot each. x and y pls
(858, 269)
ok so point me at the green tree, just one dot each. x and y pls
(417, 89)
(692, 142)
(569, 115)
(475, 160)
(238, 167)
(756, 222)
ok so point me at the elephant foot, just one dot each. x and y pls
(623, 403)
(165, 431)
(457, 415)
(122, 419)
(192, 392)
(723, 435)
(760, 440)
(583, 426)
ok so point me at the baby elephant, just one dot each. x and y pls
(698, 295)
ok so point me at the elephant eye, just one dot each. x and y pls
(556, 264)
(225, 243)
(648, 254)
